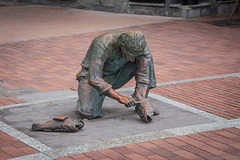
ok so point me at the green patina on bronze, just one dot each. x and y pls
(59, 124)
(112, 60)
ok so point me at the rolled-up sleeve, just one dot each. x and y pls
(143, 62)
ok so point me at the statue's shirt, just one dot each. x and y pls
(113, 63)
(103, 59)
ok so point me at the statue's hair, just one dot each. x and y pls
(134, 41)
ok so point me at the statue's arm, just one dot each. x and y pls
(142, 89)
(120, 98)
(143, 76)
(97, 59)
(145, 109)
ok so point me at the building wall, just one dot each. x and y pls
(172, 8)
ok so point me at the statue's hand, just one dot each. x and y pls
(145, 111)
(126, 100)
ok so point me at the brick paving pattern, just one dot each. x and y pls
(58, 59)
(9, 100)
(218, 144)
(13, 148)
(218, 96)
(51, 64)
(54, 21)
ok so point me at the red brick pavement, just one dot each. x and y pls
(12, 148)
(181, 49)
(52, 21)
(218, 96)
(219, 144)
(9, 100)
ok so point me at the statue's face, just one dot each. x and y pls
(126, 54)
(129, 54)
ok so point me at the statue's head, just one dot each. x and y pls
(132, 44)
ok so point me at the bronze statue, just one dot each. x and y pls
(112, 60)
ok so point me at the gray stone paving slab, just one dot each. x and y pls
(116, 122)
(188, 108)
(47, 95)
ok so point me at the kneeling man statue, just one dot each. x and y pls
(112, 60)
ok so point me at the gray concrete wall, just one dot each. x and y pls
(172, 8)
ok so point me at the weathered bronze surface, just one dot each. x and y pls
(59, 124)
(112, 60)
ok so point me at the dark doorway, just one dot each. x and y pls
(148, 1)
(189, 2)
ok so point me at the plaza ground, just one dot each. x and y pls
(197, 66)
